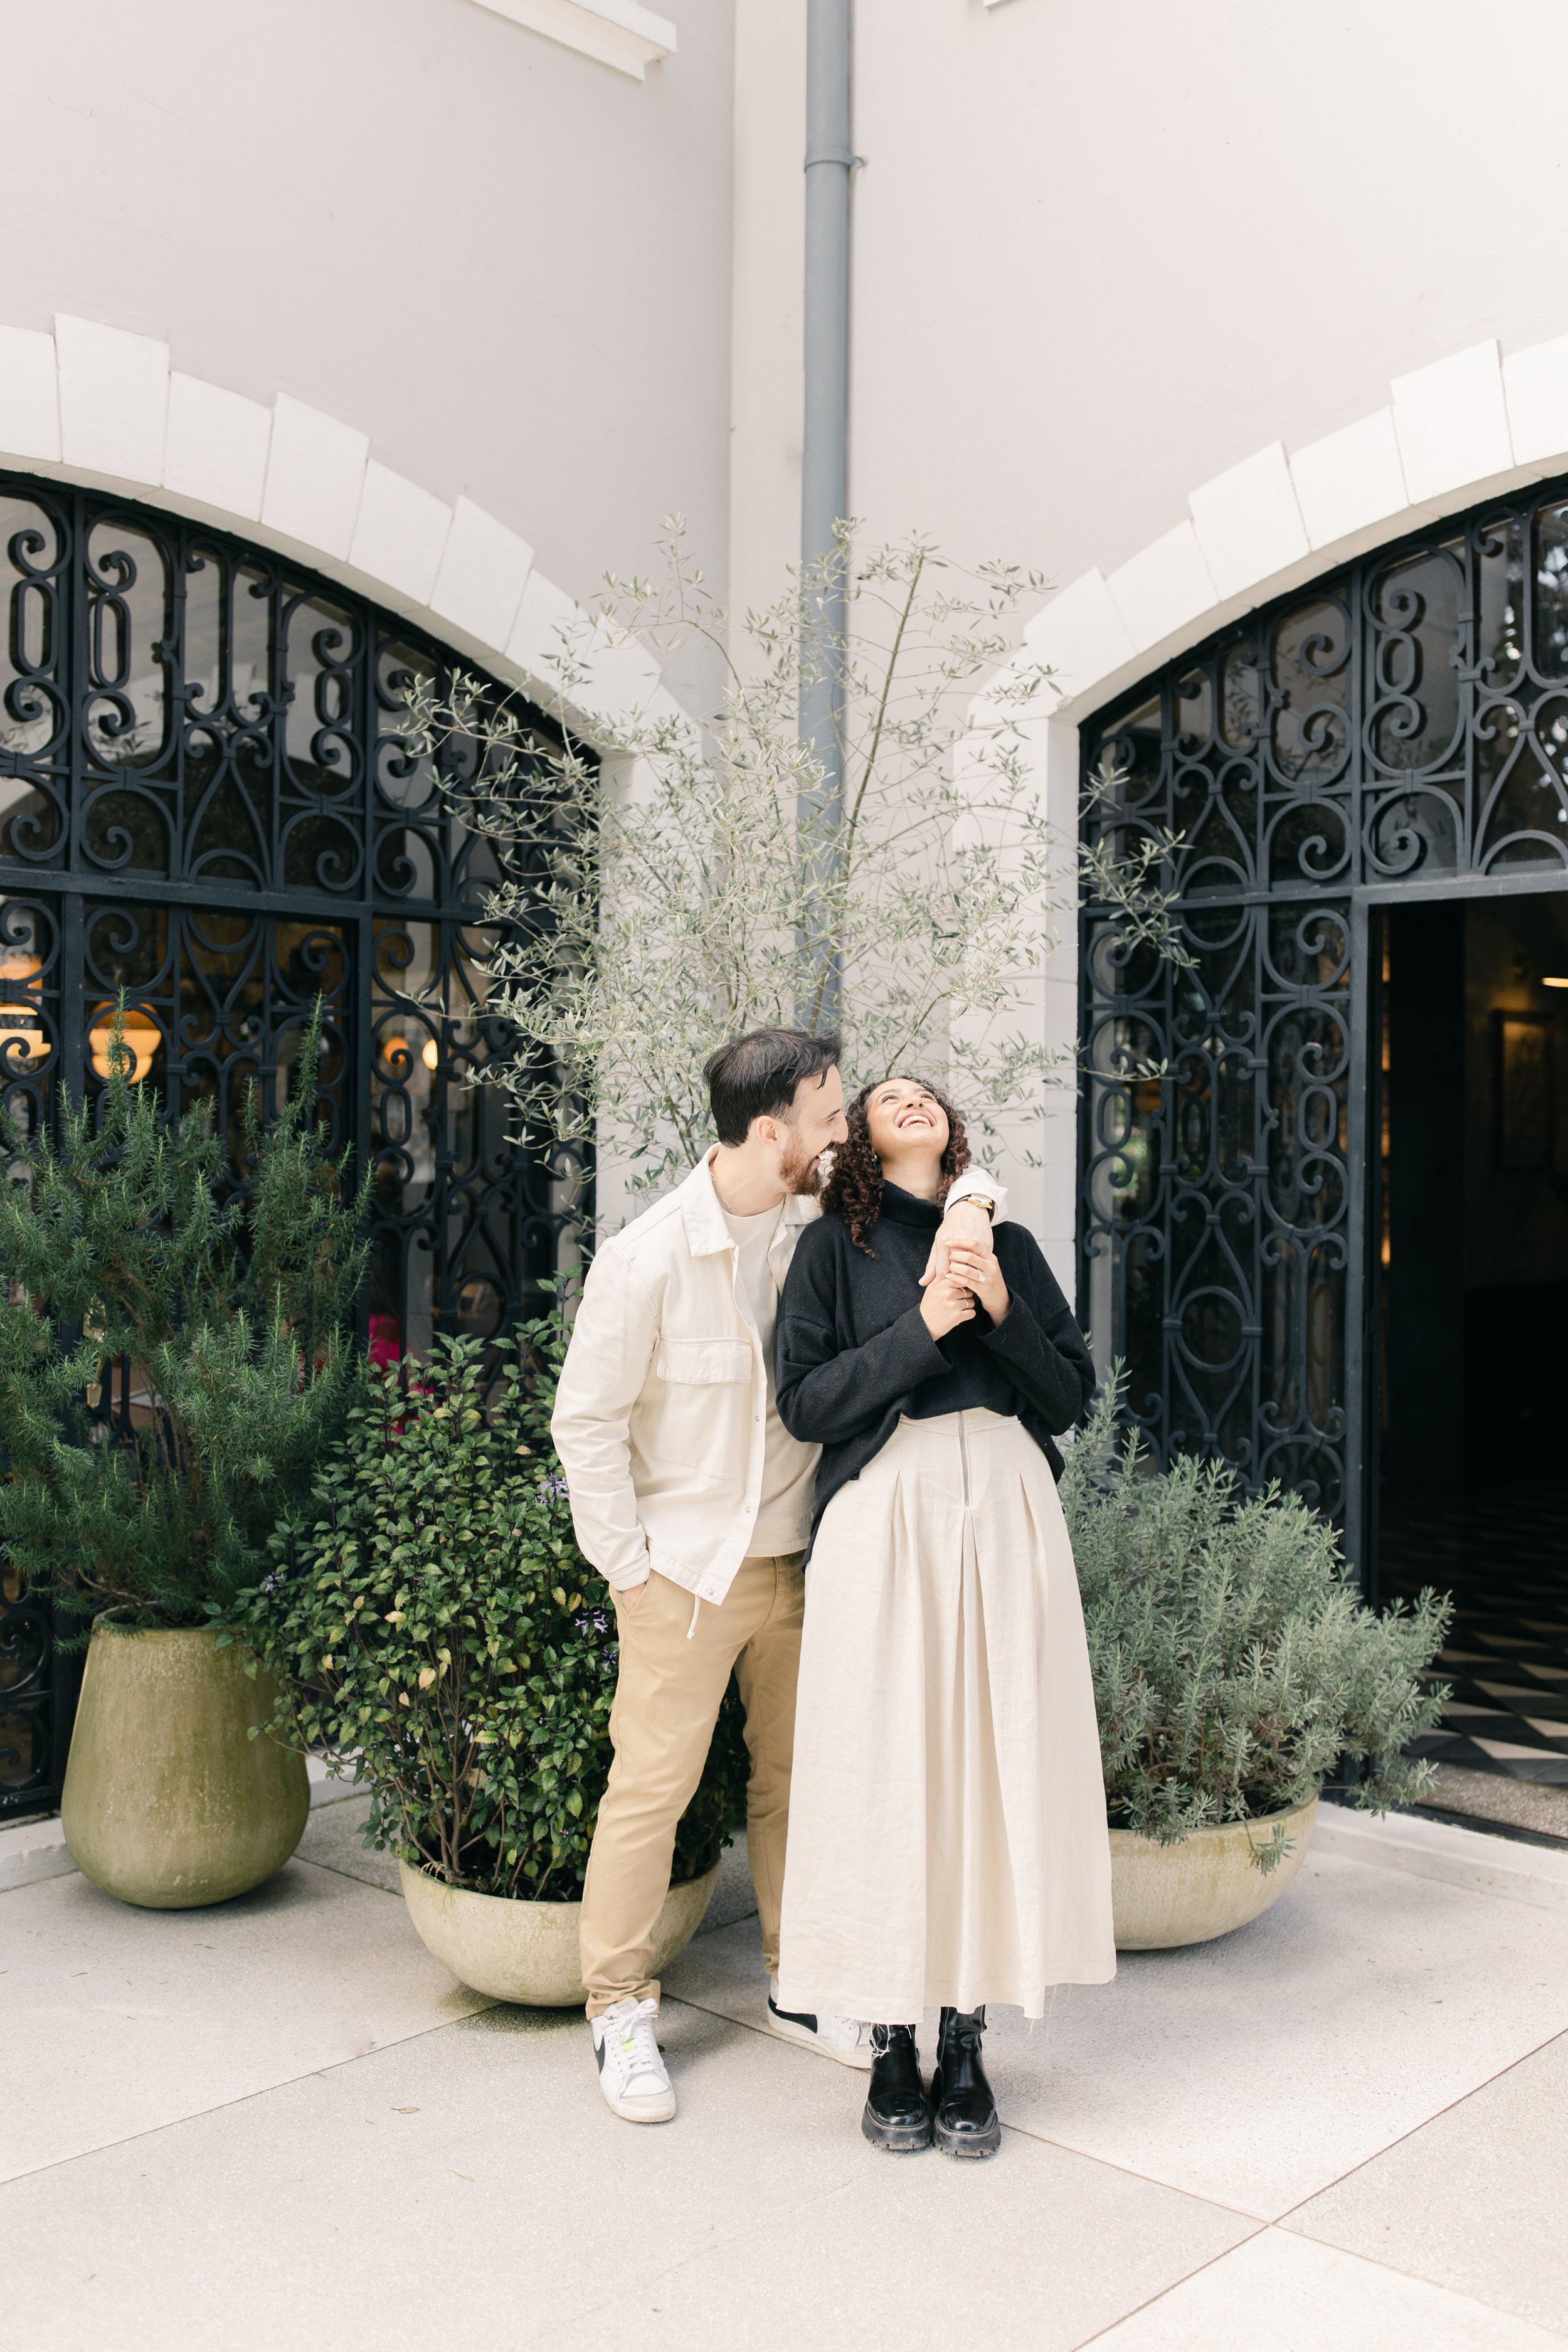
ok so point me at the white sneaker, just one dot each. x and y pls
(631, 2072)
(843, 2038)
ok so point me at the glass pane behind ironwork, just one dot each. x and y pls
(1404, 719)
(206, 804)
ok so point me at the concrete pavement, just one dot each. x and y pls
(1344, 2129)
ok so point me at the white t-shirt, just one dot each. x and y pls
(784, 1509)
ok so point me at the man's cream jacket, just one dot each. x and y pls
(661, 1415)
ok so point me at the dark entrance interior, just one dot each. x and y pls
(1473, 1329)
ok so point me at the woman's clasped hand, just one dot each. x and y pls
(982, 1276)
(945, 1304)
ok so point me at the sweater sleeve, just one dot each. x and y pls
(1038, 1339)
(979, 1180)
(826, 1393)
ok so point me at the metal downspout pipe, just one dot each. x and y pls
(825, 460)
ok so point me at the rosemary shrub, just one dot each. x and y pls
(1234, 1660)
(434, 1631)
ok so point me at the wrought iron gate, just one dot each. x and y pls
(1397, 730)
(205, 801)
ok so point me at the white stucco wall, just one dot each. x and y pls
(1104, 253)
(1180, 306)
(505, 264)
(766, 316)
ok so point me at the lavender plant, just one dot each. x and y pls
(1234, 1660)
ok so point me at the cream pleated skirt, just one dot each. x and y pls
(947, 1831)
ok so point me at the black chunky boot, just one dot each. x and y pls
(965, 2121)
(897, 2116)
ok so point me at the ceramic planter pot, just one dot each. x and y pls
(1189, 1894)
(168, 1802)
(527, 1952)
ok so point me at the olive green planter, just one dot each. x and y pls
(168, 1802)
(1207, 1885)
(527, 1952)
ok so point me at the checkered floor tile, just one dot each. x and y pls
(1505, 1560)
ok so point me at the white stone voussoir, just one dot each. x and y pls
(1163, 587)
(216, 445)
(1452, 422)
(483, 571)
(1535, 384)
(29, 394)
(315, 471)
(546, 621)
(1247, 521)
(1079, 635)
(623, 681)
(400, 532)
(114, 399)
(1350, 479)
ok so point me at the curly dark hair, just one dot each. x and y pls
(854, 1188)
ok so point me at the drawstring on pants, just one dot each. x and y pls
(696, 1605)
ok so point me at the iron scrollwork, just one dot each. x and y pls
(207, 802)
(1402, 721)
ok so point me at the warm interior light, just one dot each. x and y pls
(143, 1038)
(430, 1053)
(1555, 980)
(21, 1026)
(23, 1030)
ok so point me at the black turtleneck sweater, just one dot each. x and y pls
(851, 1352)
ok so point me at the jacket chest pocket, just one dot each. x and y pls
(707, 1397)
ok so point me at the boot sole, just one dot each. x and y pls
(973, 2146)
(896, 2140)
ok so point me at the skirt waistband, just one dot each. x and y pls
(973, 1416)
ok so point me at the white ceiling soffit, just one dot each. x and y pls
(91, 403)
(616, 32)
(1456, 432)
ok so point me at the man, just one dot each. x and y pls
(693, 1501)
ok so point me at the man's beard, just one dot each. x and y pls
(802, 1175)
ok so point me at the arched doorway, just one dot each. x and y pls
(1323, 1209)
(205, 800)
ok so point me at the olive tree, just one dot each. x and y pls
(720, 874)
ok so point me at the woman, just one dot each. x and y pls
(947, 1838)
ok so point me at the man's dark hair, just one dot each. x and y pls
(755, 1077)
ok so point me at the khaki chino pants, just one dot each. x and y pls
(668, 1697)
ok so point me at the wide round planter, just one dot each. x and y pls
(168, 1802)
(527, 1952)
(1189, 1894)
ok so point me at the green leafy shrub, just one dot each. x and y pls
(173, 1367)
(433, 1626)
(1233, 1661)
